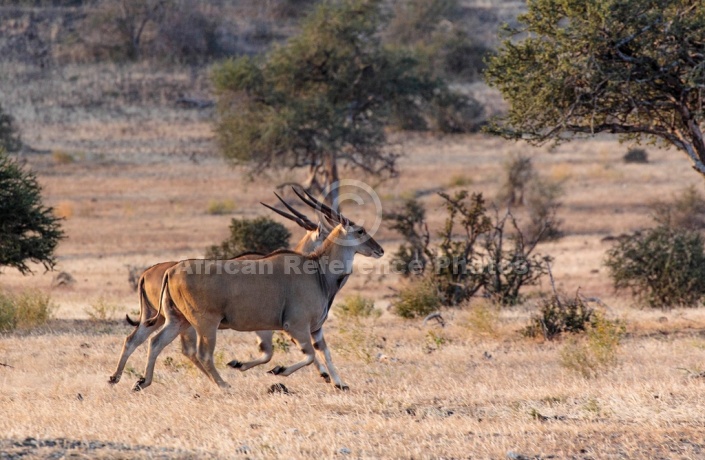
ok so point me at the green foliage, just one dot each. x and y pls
(664, 266)
(558, 314)
(597, 351)
(357, 306)
(331, 89)
(417, 298)
(25, 310)
(261, 234)
(10, 140)
(685, 211)
(29, 231)
(579, 67)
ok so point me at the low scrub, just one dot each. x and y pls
(25, 310)
(663, 266)
(558, 314)
(418, 298)
(595, 351)
(102, 310)
(475, 251)
(357, 306)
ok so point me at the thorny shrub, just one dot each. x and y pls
(476, 252)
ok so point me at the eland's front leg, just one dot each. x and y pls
(302, 337)
(320, 345)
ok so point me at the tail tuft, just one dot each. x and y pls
(131, 321)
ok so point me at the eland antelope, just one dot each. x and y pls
(282, 291)
(149, 285)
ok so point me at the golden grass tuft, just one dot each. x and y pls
(64, 209)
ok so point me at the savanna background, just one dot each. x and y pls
(121, 138)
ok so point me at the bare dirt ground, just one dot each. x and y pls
(137, 192)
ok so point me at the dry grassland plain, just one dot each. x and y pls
(134, 184)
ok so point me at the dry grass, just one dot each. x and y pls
(475, 388)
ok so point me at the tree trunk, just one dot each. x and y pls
(331, 190)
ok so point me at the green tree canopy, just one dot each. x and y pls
(323, 98)
(29, 231)
(580, 67)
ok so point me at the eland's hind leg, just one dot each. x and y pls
(189, 347)
(173, 327)
(206, 346)
(132, 341)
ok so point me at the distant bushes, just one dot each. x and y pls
(10, 140)
(261, 235)
(25, 310)
(636, 156)
(523, 187)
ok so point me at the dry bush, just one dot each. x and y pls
(26, 310)
(219, 208)
(483, 319)
(102, 310)
(542, 204)
(475, 252)
(596, 351)
(417, 298)
(685, 210)
(518, 172)
(62, 158)
(558, 314)
(357, 306)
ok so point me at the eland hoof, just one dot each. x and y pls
(235, 364)
(277, 370)
(138, 385)
(343, 387)
(113, 379)
(325, 376)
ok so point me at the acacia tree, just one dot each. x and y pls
(29, 231)
(321, 99)
(580, 67)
